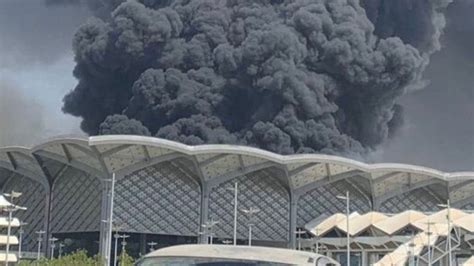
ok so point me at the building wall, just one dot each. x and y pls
(76, 203)
(258, 190)
(323, 201)
(34, 198)
(160, 199)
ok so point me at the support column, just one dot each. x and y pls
(376, 204)
(205, 191)
(103, 217)
(46, 227)
(364, 258)
(293, 213)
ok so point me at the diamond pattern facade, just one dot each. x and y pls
(76, 201)
(34, 198)
(322, 200)
(418, 199)
(258, 190)
(166, 198)
(160, 199)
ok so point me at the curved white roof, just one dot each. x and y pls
(124, 154)
(253, 253)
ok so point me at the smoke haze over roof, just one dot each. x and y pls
(341, 77)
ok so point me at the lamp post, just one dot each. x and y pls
(235, 189)
(20, 241)
(116, 236)
(428, 233)
(10, 209)
(448, 217)
(124, 243)
(317, 240)
(412, 251)
(53, 245)
(347, 199)
(250, 212)
(209, 225)
(298, 233)
(40, 239)
(110, 221)
(60, 251)
(152, 245)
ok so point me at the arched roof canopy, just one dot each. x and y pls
(123, 154)
(20, 161)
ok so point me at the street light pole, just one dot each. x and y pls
(250, 212)
(348, 238)
(61, 246)
(208, 226)
(429, 242)
(53, 245)
(317, 240)
(448, 216)
(412, 250)
(235, 189)
(116, 236)
(40, 239)
(124, 243)
(110, 221)
(20, 241)
(298, 233)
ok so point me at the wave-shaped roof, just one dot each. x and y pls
(123, 154)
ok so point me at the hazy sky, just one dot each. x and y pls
(439, 129)
(36, 65)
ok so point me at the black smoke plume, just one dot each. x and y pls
(286, 76)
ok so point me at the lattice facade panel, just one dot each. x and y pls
(34, 199)
(160, 199)
(322, 200)
(76, 203)
(4, 175)
(418, 199)
(258, 190)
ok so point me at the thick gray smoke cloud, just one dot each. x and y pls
(287, 76)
